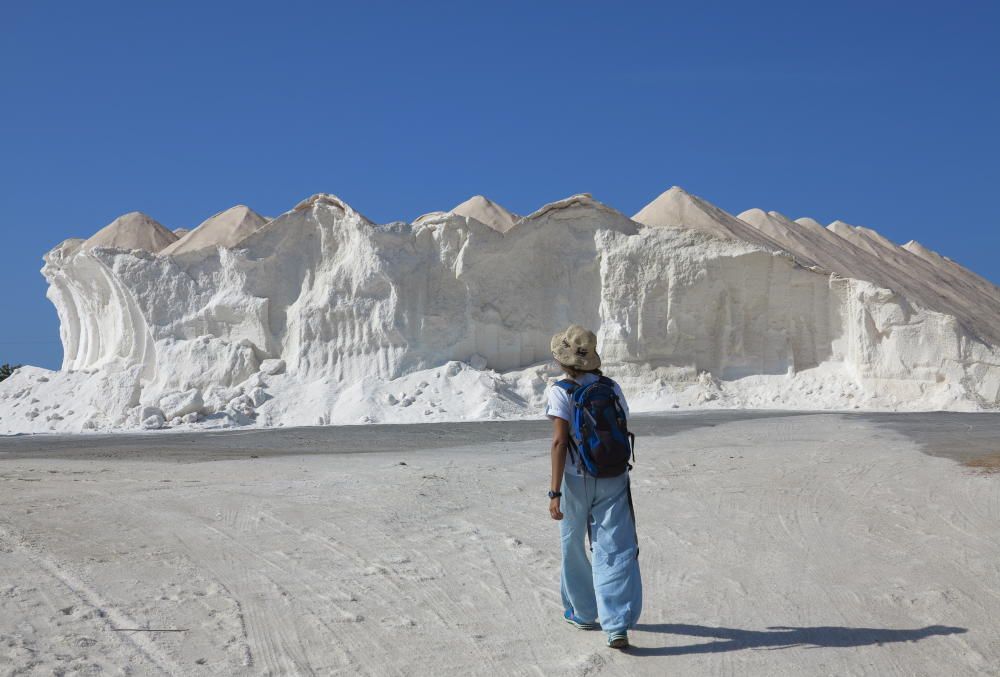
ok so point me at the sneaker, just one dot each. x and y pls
(577, 622)
(618, 640)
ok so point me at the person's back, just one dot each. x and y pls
(591, 397)
(592, 508)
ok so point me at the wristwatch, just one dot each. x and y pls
(555, 494)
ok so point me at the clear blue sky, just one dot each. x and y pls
(881, 114)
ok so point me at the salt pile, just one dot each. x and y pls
(321, 316)
(134, 230)
(486, 211)
(224, 229)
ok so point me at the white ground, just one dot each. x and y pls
(799, 545)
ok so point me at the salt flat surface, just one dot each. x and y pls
(776, 545)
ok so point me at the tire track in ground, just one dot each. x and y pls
(278, 646)
(277, 639)
(281, 657)
(292, 571)
(398, 595)
(396, 580)
(245, 650)
(141, 643)
(482, 544)
(428, 595)
(135, 506)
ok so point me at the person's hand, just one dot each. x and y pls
(554, 509)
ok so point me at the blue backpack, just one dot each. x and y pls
(599, 428)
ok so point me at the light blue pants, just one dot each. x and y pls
(608, 587)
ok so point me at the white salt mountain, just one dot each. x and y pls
(224, 229)
(321, 316)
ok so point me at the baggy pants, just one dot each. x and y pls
(608, 587)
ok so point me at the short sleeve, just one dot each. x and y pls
(557, 405)
(621, 398)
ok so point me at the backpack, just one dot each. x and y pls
(599, 428)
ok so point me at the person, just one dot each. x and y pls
(599, 509)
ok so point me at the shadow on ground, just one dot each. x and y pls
(781, 637)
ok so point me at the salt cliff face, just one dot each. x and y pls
(321, 316)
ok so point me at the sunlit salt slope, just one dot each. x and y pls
(320, 316)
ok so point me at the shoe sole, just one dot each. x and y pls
(582, 626)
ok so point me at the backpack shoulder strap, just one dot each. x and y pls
(567, 385)
(571, 387)
(606, 381)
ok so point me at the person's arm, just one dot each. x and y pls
(560, 446)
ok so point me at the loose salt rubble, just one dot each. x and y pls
(321, 316)
(272, 367)
(178, 405)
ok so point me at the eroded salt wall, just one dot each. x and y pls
(340, 300)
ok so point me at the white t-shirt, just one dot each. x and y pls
(559, 405)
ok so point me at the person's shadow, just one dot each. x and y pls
(780, 637)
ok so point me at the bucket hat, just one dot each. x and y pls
(576, 347)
